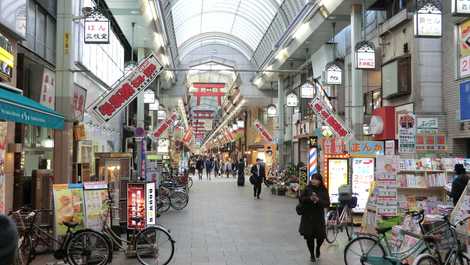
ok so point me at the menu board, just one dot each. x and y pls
(68, 206)
(362, 177)
(96, 206)
(337, 176)
(135, 205)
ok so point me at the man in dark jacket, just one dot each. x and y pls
(200, 167)
(259, 173)
(241, 172)
(9, 240)
(459, 183)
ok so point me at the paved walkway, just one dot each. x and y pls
(224, 225)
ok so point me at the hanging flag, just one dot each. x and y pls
(266, 135)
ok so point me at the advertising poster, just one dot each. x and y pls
(96, 195)
(68, 206)
(135, 205)
(387, 168)
(48, 89)
(464, 49)
(337, 176)
(362, 177)
(3, 147)
(406, 133)
(150, 203)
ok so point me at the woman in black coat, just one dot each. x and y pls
(313, 200)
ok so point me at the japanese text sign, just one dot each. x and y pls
(330, 119)
(79, 101)
(367, 148)
(406, 133)
(428, 21)
(165, 125)
(431, 143)
(96, 31)
(150, 200)
(461, 7)
(188, 136)
(127, 88)
(365, 56)
(48, 89)
(135, 205)
(264, 133)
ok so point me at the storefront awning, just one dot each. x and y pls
(18, 108)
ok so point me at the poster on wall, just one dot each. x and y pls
(135, 205)
(464, 49)
(406, 133)
(362, 177)
(3, 147)
(337, 176)
(96, 206)
(47, 97)
(386, 171)
(68, 206)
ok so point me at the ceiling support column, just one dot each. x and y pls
(280, 124)
(357, 111)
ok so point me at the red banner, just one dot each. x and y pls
(188, 136)
(135, 205)
(325, 114)
(266, 135)
(127, 88)
(165, 125)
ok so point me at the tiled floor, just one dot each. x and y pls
(224, 225)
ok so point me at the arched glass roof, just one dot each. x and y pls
(245, 20)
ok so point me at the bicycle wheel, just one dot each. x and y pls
(88, 247)
(179, 200)
(154, 245)
(331, 226)
(41, 244)
(348, 224)
(457, 259)
(364, 250)
(163, 203)
(425, 259)
(190, 182)
(24, 250)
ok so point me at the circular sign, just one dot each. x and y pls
(292, 100)
(376, 125)
(272, 110)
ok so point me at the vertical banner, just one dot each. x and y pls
(312, 162)
(150, 203)
(406, 133)
(3, 147)
(143, 152)
(386, 185)
(48, 89)
(68, 206)
(264, 133)
(165, 125)
(96, 206)
(135, 205)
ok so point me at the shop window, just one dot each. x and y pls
(40, 32)
(372, 101)
(396, 78)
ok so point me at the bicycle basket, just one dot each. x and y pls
(21, 220)
(345, 193)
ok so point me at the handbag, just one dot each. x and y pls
(252, 179)
(299, 209)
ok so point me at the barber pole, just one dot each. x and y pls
(312, 162)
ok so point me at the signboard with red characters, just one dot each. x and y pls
(135, 205)
(266, 135)
(127, 88)
(188, 136)
(329, 118)
(165, 125)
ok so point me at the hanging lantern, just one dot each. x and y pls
(272, 110)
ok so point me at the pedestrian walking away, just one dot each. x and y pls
(200, 167)
(241, 173)
(459, 183)
(312, 202)
(258, 172)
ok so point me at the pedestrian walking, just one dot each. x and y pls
(208, 168)
(200, 167)
(216, 168)
(258, 173)
(312, 202)
(9, 240)
(241, 173)
(459, 183)
(228, 168)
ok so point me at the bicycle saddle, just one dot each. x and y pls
(70, 224)
(137, 219)
(383, 230)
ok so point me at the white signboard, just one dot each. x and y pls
(96, 31)
(428, 21)
(337, 176)
(163, 145)
(390, 147)
(149, 96)
(307, 90)
(292, 100)
(150, 203)
(334, 75)
(127, 88)
(427, 125)
(406, 133)
(365, 56)
(362, 177)
(461, 7)
(48, 89)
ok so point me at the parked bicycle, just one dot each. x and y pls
(171, 195)
(456, 255)
(151, 245)
(377, 250)
(340, 218)
(84, 246)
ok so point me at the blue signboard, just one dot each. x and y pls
(465, 101)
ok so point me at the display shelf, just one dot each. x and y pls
(423, 171)
(422, 188)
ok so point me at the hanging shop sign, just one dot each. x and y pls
(79, 101)
(406, 133)
(327, 116)
(428, 18)
(461, 7)
(263, 132)
(333, 74)
(188, 136)
(7, 58)
(165, 125)
(333, 146)
(464, 48)
(127, 88)
(367, 148)
(427, 125)
(149, 96)
(431, 143)
(150, 203)
(135, 204)
(307, 90)
(365, 55)
(3, 148)
(272, 111)
(96, 31)
(292, 100)
(47, 97)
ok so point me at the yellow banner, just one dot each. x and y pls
(7, 57)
